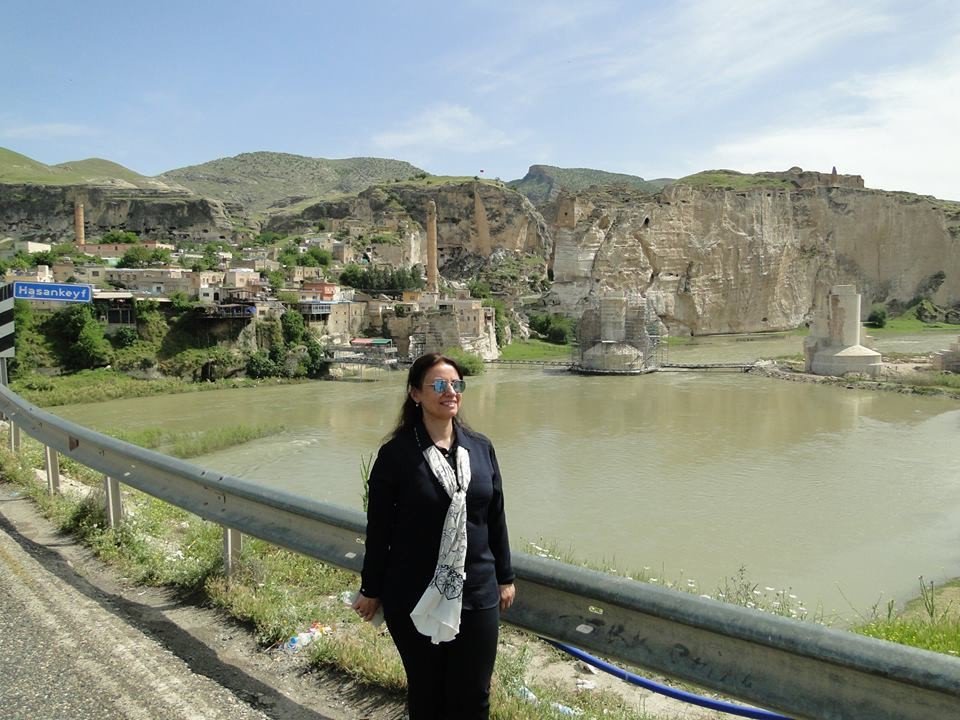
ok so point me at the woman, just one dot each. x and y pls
(437, 555)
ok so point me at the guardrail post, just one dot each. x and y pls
(14, 437)
(52, 461)
(111, 493)
(232, 544)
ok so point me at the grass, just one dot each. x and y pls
(932, 621)
(193, 444)
(433, 180)
(732, 180)
(90, 386)
(904, 324)
(536, 350)
(19, 169)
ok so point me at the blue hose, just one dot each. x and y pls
(661, 689)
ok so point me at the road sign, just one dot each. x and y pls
(56, 292)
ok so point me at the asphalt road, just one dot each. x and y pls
(77, 643)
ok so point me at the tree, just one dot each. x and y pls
(479, 288)
(91, 349)
(137, 256)
(125, 337)
(78, 338)
(259, 365)
(267, 237)
(352, 276)
(276, 279)
(293, 326)
(120, 237)
(878, 316)
(181, 302)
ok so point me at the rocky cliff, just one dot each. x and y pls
(718, 260)
(481, 226)
(45, 213)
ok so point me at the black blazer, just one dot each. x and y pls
(406, 509)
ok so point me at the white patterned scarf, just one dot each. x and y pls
(437, 615)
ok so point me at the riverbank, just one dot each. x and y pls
(912, 376)
(90, 386)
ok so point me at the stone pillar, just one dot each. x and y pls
(613, 318)
(432, 273)
(79, 237)
(844, 315)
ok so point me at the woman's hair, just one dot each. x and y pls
(410, 412)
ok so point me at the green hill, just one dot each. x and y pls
(261, 180)
(93, 168)
(543, 183)
(19, 169)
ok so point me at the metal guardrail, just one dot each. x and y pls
(801, 669)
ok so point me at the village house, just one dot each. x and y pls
(88, 273)
(118, 250)
(153, 281)
(299, 273)
(9, 247)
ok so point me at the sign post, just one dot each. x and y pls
(56, 292)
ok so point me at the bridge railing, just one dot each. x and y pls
(798, 668)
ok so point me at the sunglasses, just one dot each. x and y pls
(440, 385)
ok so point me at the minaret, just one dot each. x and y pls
(432, 273)
(78, 223)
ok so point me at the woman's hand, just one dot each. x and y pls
(507, 594)
(367, 607)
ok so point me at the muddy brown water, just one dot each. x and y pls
(840, 497)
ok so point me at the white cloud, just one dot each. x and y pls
(719, 46)
(46, 131)
(441, 129)
(904, 138)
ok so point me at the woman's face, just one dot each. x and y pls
(439, 406)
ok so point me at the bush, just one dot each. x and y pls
(260, 365)
(557, 329)
(877, 317)
(125, 337)
(499, 318)
(470, 363)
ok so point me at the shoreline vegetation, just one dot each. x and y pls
(280, 594)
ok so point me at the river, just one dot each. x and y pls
(841, 497)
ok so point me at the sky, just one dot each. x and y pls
(490, 87)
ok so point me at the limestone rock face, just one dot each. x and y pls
(41, 212)
(720, 261)
(472, 217)
(476, 218)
